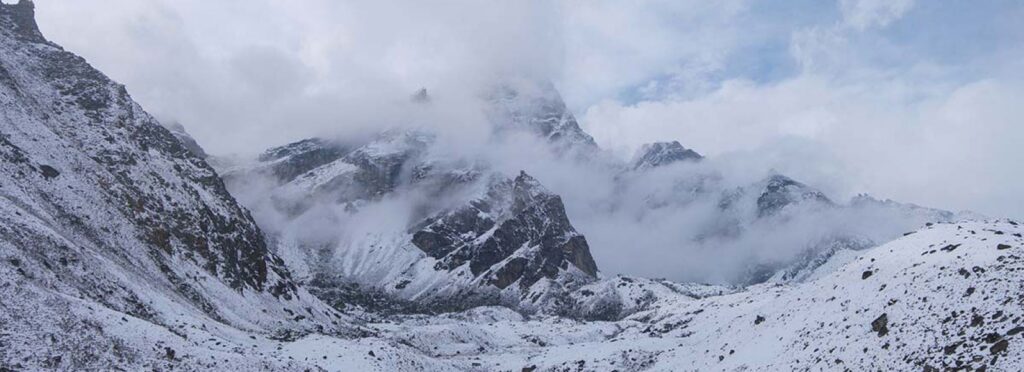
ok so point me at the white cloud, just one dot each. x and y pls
(947, 148)
(863, 14)
(777, 79)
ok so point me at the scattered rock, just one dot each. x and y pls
(881, 325)
(48, 171)
(999, 347)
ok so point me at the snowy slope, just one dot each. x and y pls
(102, 210)
(945, 297)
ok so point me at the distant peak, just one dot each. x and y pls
(526, 180)
(658, 154)
(537, 107)
(421, 96)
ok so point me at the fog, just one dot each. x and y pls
(849, 97)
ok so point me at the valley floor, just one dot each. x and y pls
(949, 296)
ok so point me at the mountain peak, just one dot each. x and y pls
(20, 18)
(421, 96)
(657, 154)
(780, 191)
(537, 108)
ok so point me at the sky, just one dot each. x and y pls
(918, 101)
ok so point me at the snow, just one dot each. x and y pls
(96, 272)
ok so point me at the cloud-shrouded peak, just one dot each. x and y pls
(657, 154)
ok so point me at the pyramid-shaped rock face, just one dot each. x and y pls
(779, 192)
(97, 198)
(517, 233)
(653, 155)
(537, 108)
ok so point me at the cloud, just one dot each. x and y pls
(919, 102)
(245, 75)
(862, 14)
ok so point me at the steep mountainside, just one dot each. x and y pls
(102, 210)
(474, 235)
(472, 231)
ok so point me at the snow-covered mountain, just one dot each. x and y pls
(662, 153)
(316, 196)
(104, 213)
(474, 237)
(121, 248)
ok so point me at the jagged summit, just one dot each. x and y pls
(537, 108)
(778, 192)
(22, 21)
(517, 232)
(657, 154)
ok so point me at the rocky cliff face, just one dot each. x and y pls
(517, 233)
(537, 108)
(474, 236)
(100, 203)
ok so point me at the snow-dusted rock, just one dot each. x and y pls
(657, 154)
(103, 211)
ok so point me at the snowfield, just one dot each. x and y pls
(948, 296)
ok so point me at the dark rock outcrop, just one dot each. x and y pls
(287, 162)
(518, 232)
(780, 191)
(186, 139)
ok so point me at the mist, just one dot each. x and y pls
(812, 97)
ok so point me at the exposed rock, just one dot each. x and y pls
(658, 154)
(780, 191)
(186, 139)
(537, 108)
(880, 325)
(287, 162)
(518, 232)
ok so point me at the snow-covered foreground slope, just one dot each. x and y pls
(948, 296)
